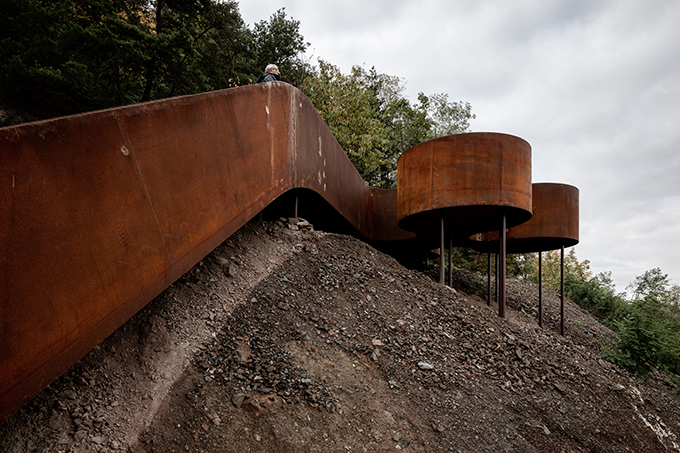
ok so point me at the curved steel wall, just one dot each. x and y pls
(470, 180)
(554, 224)
(100, 212)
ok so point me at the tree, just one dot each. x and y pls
(527, 268)
(224, 47)
(60, 57)
(447, 118)
(653, 283)
(598, 295)
(279, 41)
(63, 57)
(649, 333)
(374, 122)
(348, 106)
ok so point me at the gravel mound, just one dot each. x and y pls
(285, 339)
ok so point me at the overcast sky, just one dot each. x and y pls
(592, 85)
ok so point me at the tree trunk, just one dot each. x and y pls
(151, 65)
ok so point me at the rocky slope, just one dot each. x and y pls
(289, 340)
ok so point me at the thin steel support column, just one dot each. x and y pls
(498, 272)
(296, 207)
(562, 291)
(540, 289)
(441, 252)
(451, 261)
(488, 282)
(503, 250)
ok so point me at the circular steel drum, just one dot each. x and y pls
(470, 180)
(555, 223)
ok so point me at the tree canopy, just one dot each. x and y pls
(374, 122)
(60, 57)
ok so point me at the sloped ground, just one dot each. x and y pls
(288, 340)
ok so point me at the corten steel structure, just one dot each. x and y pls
(462, 184)
(554, 226)
(101, 212)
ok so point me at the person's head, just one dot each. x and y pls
(272, 69)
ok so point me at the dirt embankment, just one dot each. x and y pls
(289, 340)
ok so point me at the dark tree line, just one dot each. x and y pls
(59, 57)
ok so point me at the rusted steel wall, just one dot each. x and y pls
(384, 218)
(99, 213)
(469, 179)
(321, 165)
(554, 224)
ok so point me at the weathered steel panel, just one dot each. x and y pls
(384, 218)
(471, 180)
(554, 224)
(101, 212)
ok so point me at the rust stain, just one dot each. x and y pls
(554, 224)
(105, 234)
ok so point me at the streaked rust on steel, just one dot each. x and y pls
(470, 180)
(468, 183)
(555, 223)
(101, 212)
(383, 221)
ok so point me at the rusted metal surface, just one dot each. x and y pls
(555, 223)
(562, 291)
(383, 225)
(451, 262)
(540, 289)
(501, 267)
(466, 183)
(101, 212)
(488, 279)
(441, 251)
(470, 180)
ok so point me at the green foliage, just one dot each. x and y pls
(198, 48)
(574, 271)
(60, 57)
(466, 258)
(195, 47)
(279, 41)
(373, 122)
(447, 118)
(348, 106)
(642, 338)
(525, 267)
(406, 125)
(647, 324)
(649, 331)
(516, 265)
(597, 295)
(63, 57)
